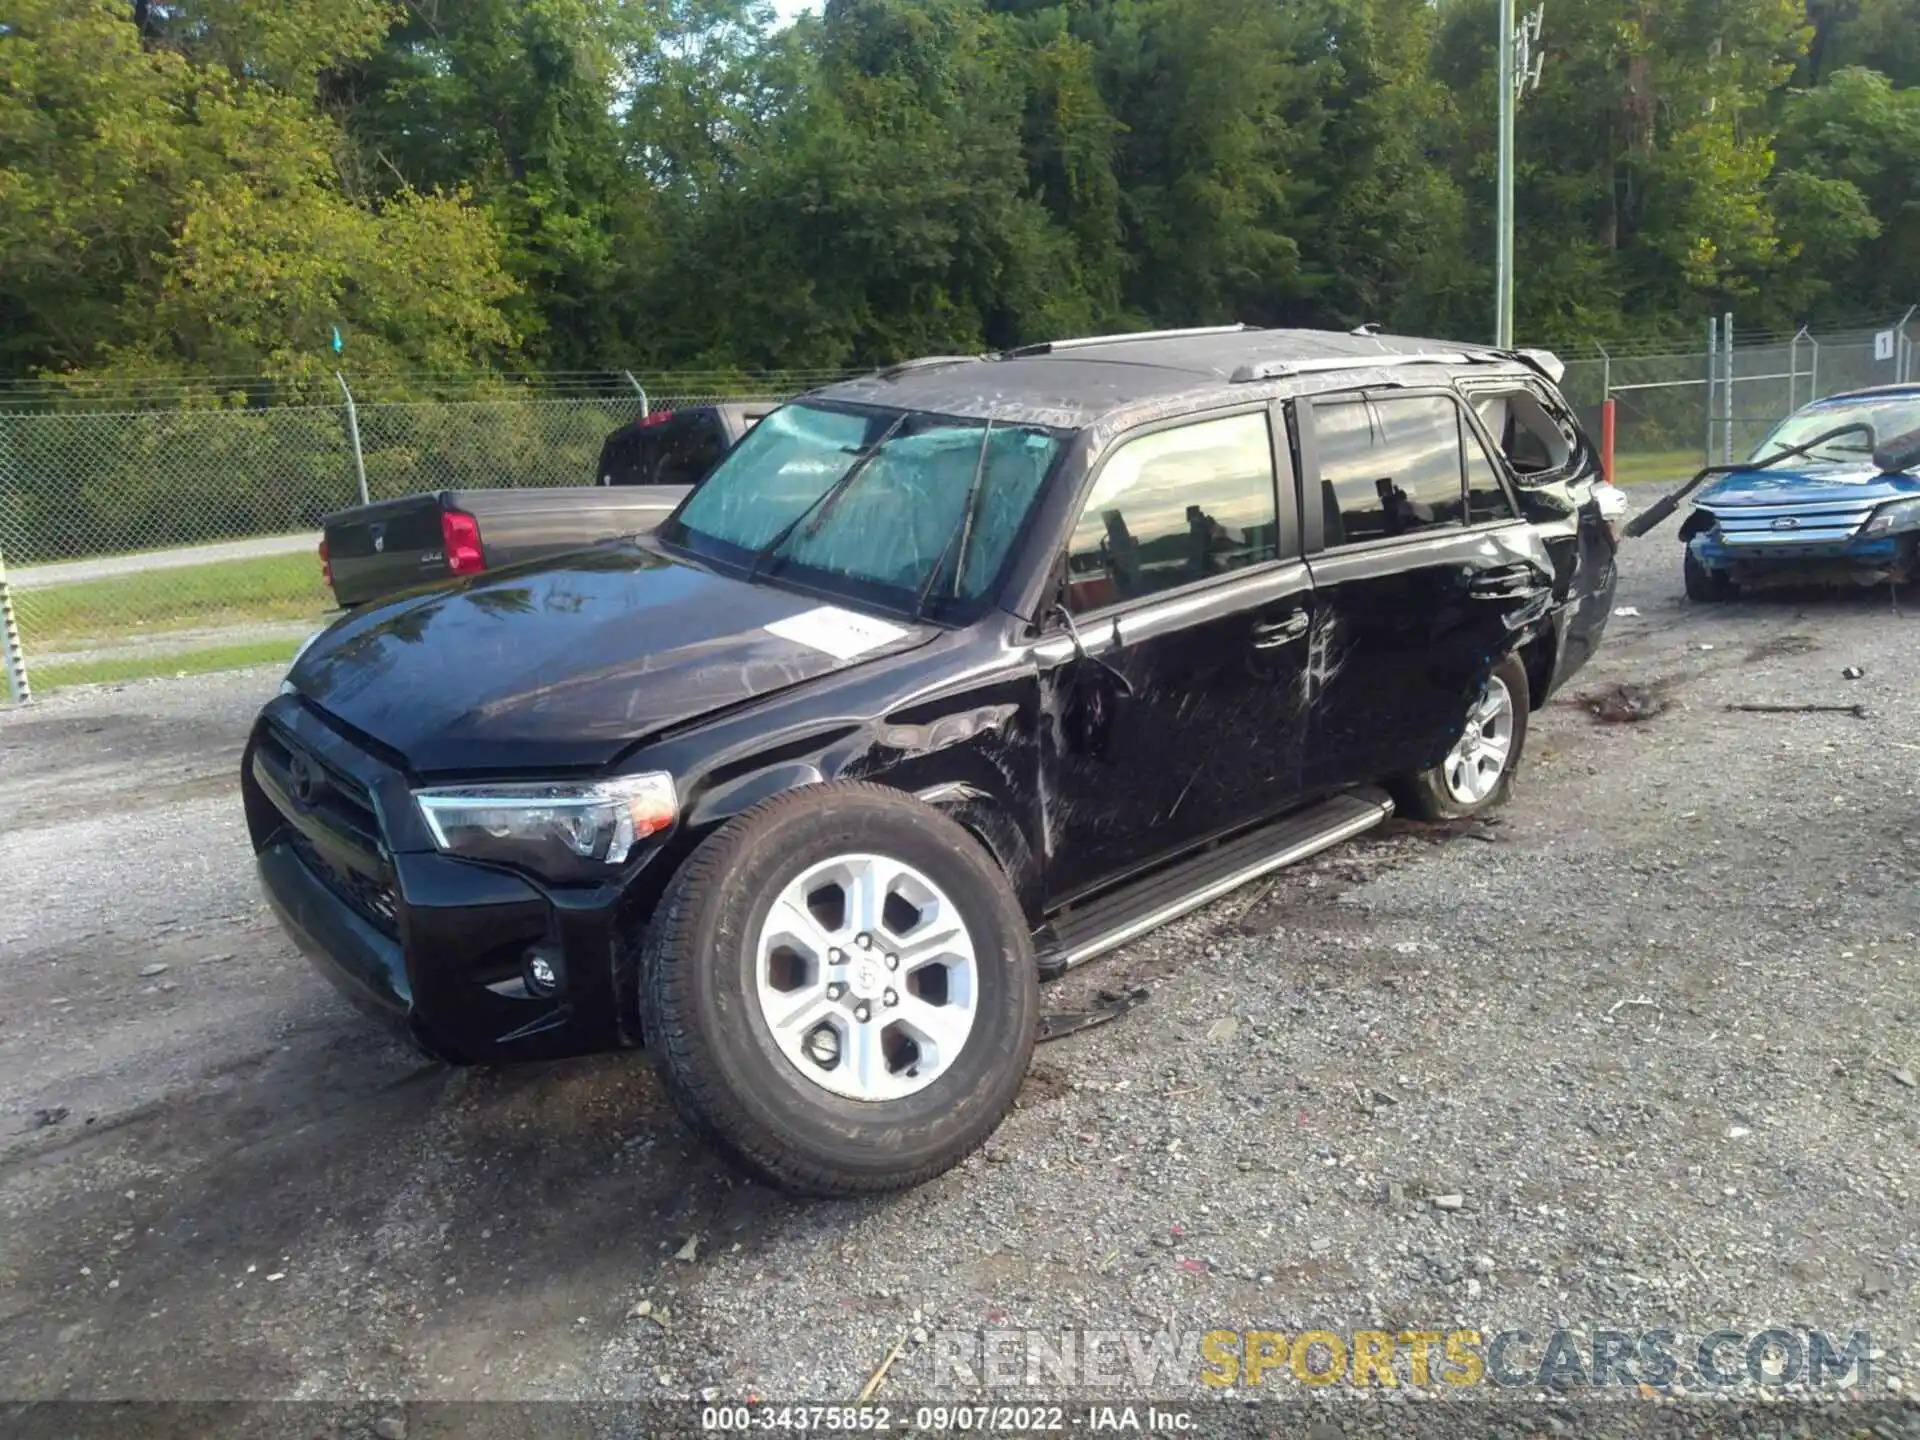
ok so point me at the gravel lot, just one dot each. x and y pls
(1654, 1026)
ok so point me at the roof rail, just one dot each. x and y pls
(1047, 347)
(1280, 369)
(887, 372)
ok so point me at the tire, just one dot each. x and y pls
(1432, 795)
(708, 972)
(1704, 585)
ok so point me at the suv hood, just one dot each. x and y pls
(1811, 485)
(568, 662)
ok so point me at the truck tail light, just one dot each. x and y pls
(658, 417)
(460, 538)
(326, 565)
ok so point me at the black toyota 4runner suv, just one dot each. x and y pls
(947, 679)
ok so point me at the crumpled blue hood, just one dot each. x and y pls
(1812, 484)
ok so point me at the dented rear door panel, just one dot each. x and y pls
(1406, 630)
(1406, 633)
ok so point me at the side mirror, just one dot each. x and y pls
(1900, 453)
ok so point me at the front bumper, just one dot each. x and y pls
(433, 944)
(1875, 561)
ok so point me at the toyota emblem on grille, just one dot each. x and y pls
(1786, 522)
(308, 783)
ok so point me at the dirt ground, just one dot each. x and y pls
(1653, 1027)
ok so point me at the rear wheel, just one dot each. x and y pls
(1477, 773)
(1704, 584)
(839, 991)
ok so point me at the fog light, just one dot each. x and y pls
(542, 975)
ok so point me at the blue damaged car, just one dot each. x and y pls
(1831, 514)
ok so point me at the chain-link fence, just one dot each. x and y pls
(152, 526)
(1674, 409)
(138, 539)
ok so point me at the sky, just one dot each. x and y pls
(787, 9)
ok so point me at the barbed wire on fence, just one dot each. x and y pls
(108, 392)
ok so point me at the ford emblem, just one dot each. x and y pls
(1786, 522)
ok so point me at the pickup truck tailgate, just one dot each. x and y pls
(379, 549)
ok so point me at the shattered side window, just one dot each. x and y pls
(1533, 440)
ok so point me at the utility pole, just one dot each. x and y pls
(1519, 71)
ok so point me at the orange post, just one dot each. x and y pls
(1606, 438)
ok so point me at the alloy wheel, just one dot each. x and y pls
(1474, 766)
(866, 977)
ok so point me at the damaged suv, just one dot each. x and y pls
(947, 679)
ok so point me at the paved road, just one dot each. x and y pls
(107, 567)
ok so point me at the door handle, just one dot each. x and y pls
(1275, 633)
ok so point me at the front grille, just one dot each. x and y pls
(1824, 522)
(345, 801)
(370, 899)
(333, 827)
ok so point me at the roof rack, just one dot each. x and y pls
(1281, 369)
(1047, 347)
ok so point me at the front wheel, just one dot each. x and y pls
(839, 991)
(1477, 773)
(1704, 584)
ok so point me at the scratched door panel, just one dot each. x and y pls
(1197, 728)
(1416, 597)
(1398, 645)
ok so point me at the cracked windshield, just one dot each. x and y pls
(1889, 417)
(908, 509)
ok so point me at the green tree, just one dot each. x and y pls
(1847, 192)
(1643, 157)
(514, 101)
(162, 206)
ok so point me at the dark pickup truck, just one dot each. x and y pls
(372, 552)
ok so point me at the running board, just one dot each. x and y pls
(1127, 914)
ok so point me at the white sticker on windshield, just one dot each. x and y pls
(840, 633)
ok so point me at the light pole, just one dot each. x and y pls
(1519, 70)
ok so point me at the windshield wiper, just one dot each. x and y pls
(823, 502)
(970, 510)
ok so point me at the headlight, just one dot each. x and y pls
(1900, 515)
(554, 828)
